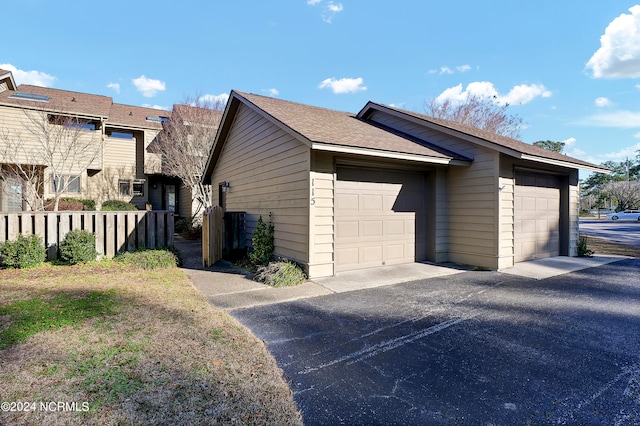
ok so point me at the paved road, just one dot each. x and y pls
(627, 232)
(472, 348)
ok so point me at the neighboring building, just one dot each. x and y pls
(123, 167)
(387, 186)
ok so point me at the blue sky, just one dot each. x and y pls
(570, 69)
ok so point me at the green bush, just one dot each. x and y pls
(583, 249)
(151, 259)
(73, 204)
(117, 205)
(78, 247)
(280, 274)
(262, 242)
(188, 229)
(89, 205)
(24, 252)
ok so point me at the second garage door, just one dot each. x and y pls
(380, 218)
(537, 216)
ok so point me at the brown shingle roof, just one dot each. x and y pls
(77, 103)
(492, 138)
(343, 129)
(132, 116)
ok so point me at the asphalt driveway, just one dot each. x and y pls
(471, 348)
(621, 231)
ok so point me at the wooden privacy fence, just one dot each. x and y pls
(223, 234)
(212, 235)
(115, 232)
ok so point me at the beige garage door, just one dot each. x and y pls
(537, 216)
(380, 218)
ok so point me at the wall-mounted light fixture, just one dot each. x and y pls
(225, 186)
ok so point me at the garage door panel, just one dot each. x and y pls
(371, 255)
(389, 204)
(372, 228)
(347, 229)
(372, 202)
(395, 228)
(347, 201)
(537, 216)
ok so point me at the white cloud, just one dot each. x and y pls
(447, 70)
(160, 107)
(619, 52)
(622, 154)
(518, 95)
(620, 119)
(272, 92)
(148, 87)
(222, 98)
(603, 102)
(114, 86)
(329, 9)
(344, 85)
(34, 78)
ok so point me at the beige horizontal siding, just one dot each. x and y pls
(471, 200)
(17, 126)
(268, 171)
(574, 213)
(321, 238)
(119, 152)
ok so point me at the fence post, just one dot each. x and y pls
(52, 236)
(205, 237)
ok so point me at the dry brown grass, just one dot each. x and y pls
(165, 356)
(602, 246)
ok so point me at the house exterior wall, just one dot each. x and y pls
(20, 124)
(467, 220)
(569, 203)
(321, 215)
(268, 171)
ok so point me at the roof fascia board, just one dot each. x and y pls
(9, 76)
(368, 109)
(387, 154)
(112, 125)
(275, 121)
(564, 164)
(235, 99)
(221, 134)
(42, 108)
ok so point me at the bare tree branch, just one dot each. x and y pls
(480, 112)
(51, 148)
(627, 193)
(185, 142)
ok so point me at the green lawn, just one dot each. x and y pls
(121, 345)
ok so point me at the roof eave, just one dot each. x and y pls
(371, 106)
(564, 163)
(320, 146)
(235, 99)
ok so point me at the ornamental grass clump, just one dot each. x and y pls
(283, 273)
(151, 259)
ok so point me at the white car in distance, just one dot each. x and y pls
(625, 215)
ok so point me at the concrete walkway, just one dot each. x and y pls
(227, 287)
